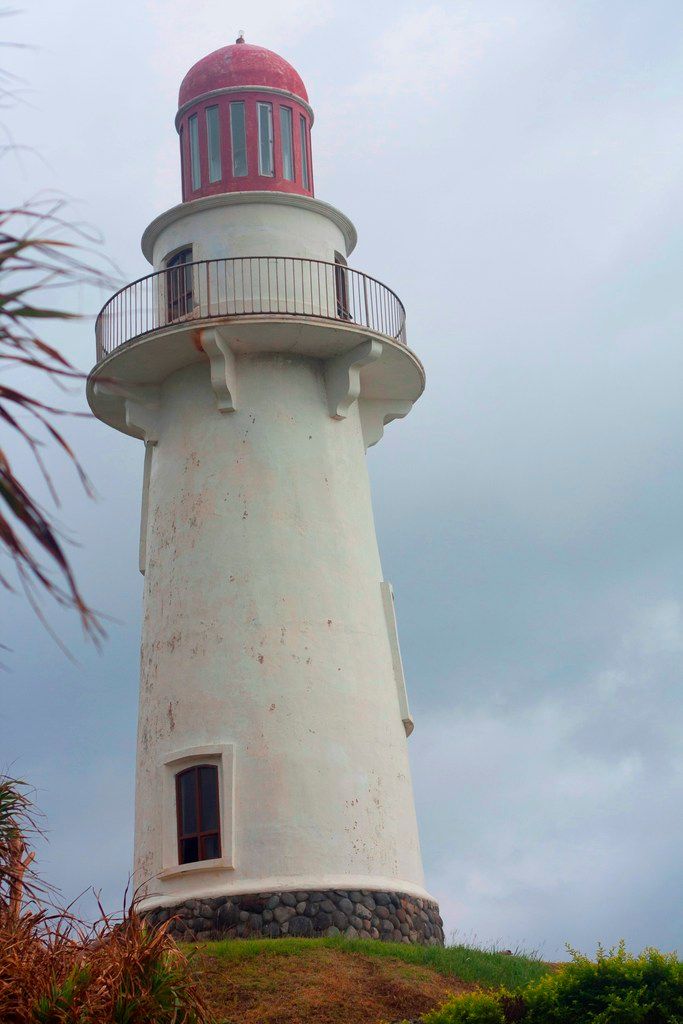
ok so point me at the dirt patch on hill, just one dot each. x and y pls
(326, 986)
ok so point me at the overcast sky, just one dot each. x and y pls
(514, 171)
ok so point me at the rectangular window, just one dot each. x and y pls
(287, 143)
(265, 138)
(183, 162)
(194, 153)
(197, 814)
(238, 137)
(179, 300)
(305, 178)
(213, 136)
(341, 287)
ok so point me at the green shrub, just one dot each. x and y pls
(477, 1008)
(615, 988)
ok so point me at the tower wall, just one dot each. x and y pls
(266, 642)
(251, 224)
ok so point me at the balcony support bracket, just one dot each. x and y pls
(342, 376)
(140, 407)
(223, 368)
(375, 413)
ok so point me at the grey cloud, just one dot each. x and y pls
(524, 201)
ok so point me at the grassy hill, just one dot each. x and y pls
(336, 981)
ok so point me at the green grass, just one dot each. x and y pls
(468, 964)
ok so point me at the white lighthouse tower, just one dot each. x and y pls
(273, 791)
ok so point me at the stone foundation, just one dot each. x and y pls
(356, 913)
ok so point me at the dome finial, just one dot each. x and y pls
(240, 36)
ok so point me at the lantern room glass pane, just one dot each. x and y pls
(287, 143)
(188, 802)
(303, 130)
(265, 138)
(194, 153)
(213, 138)
(238, 137)
(208, 789)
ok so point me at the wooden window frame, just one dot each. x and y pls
(223, 756)
(200, 834)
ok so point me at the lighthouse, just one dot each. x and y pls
(273, 788)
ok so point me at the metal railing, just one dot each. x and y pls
(247, 286)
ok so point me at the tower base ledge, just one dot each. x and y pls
(387, 915)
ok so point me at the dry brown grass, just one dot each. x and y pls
(324, 986)
(54, 969)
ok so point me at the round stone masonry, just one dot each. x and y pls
(355, 914)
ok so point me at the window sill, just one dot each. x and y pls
(217, 864)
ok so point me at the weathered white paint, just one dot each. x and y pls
(250, 224)
(266, 637)
(265, 627)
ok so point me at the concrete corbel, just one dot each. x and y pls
(140, 406)
(375, 413)
(142, 419)
(223, 369)
(342, 376)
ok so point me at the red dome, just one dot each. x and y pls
(240, 65)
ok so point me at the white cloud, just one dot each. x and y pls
(426, 47)
(185, 32)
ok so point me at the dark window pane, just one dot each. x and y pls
(188, 803)
(341, 287)
(211, 847)
(208, 786)
(179, 284)
(189, 850)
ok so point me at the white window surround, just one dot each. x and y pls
(399, 677)
(223, 756)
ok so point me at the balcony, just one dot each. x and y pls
(278, 287)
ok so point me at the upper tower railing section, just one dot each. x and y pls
(277, 286)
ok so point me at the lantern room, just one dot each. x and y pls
(245, 124)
